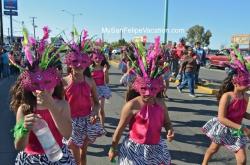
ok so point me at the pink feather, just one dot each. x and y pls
(28, 54)
(32, 41)
(45, 32)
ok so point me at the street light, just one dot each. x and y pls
(166, 22)
(72, 14)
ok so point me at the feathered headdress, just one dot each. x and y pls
(147, 67)
(78, 53)
(239, 68)
(40, 72)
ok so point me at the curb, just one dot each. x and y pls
(199, 88)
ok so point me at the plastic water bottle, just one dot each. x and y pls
(47, 140)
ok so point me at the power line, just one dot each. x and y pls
(34, 26)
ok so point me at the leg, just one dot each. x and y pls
(241, 157)
(212, 149)
(83, 154)
(101, 112)
(197, 74)
(190, 79)
(75, 150)
(183, 82)
(166, 86)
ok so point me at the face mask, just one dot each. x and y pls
(40, 80)
(78, 60)
(148, 87)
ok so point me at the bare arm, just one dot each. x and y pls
(20, 143)
(106, 76)
(247, 115)
(126, 116)
(167, 121)
(224, 102)
(96, 105)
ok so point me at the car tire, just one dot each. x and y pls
(208, 64)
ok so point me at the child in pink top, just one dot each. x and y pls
(38, 94)
(80, 88)
(146, 114)
(100, 74)
(227, 129)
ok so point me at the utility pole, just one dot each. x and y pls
(102, 37)
(121, 35)
(9, 35)
(34, 26)
(166, 22)
(1, 24)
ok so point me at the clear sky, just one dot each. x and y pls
(222, 17)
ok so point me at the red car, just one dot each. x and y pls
(219, 59)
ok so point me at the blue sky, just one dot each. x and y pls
(222, 17)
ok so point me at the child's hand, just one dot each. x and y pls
(93, 119)
(29, 120)
(44, 98)
(246, 132)
(112, 154)
(105, 68)
(170, 135)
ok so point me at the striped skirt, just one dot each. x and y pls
(103, 91)
(132, 153)
(222, 134)
(25, 159)
(82, 129)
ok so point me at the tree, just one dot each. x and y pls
(197, 34)
(119, 43)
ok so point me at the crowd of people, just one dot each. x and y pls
(73, 105)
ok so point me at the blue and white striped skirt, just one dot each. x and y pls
(25, 159)
(103, 91)
(82, 129)
(132, 153)
(222, 134)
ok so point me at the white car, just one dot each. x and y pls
(116, 51)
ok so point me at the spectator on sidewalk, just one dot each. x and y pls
(200, 59)
(1, 66)
(174, 60)
(5, 63)
(188, 69)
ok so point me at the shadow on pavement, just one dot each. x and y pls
(188, 157)
(195, 111)
(115, 74)
(196, 140)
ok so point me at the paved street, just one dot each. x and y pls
(187, 114)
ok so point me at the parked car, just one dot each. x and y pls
(116, 51)
(218, 59)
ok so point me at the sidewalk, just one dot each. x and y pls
(209, 86)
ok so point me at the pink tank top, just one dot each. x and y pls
(146, 125)
(34, 146)
(236, 110)
(98, 76)
(79, 97)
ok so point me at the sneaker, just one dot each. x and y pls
(192, 95)
(178, 89)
